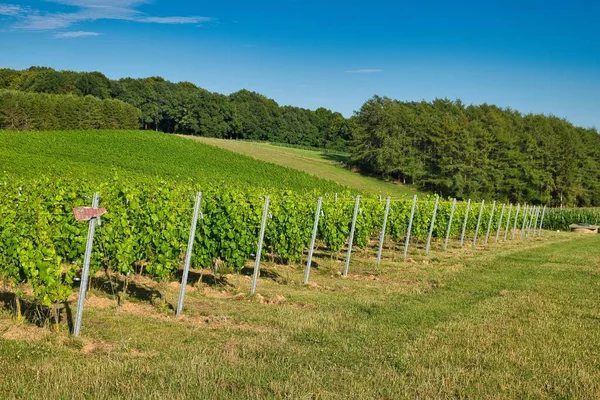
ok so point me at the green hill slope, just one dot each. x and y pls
(99, 155)
(318, 163)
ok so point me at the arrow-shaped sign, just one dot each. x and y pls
(87, 213)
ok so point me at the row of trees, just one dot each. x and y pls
(185, 108)
(442, 146)
(40, 111)
(479, 151)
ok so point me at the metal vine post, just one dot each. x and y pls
(188, 253)
(85, 273)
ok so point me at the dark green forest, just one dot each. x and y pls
(185, 108)
(41, 111)
(479, 151)
(443, 146)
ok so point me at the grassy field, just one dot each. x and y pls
(318, 163)
(99, 155)
(512, 320)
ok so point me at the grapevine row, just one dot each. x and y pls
(146, 227)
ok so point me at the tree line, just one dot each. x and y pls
(479, 151)
(185, 108)
(41, 111)
(443, 146)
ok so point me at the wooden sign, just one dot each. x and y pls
(87, 213)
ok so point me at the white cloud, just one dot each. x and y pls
(76, 34)
(12, 10)
(49, 21)
(175, 20)
(365, 71)
(101, 3)
(89, 11)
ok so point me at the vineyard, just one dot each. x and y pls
(146, 228)
(561, 218)
(141, 156)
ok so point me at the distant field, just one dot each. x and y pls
(318, 163)
(99, 155)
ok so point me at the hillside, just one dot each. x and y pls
(321, 163)
(99, 155)
(450, 147)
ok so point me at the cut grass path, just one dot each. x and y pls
(516, 320)
(324, 165)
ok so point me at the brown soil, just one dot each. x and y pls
(176, 286)
(142, 309)
(25, 332)
(277, 299)
(99, 302)
(144, 281)
(147, 310)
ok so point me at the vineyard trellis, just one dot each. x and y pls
(146, 229)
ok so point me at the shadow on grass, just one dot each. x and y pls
(263, 273)
(35, 313)
(210, 279)
(344, 162)
(340, 158)
(112, 285)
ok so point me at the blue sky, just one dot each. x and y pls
(533, 56)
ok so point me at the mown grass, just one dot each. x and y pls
(326, 165)
(99, 155)
(512, 320)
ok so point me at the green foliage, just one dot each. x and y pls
(289, 229)
(146, 227)
(334, 224)
(137, 155)
(443, 146)
(171, 107)
(482, 152)
(39, 111)
(561, 218)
